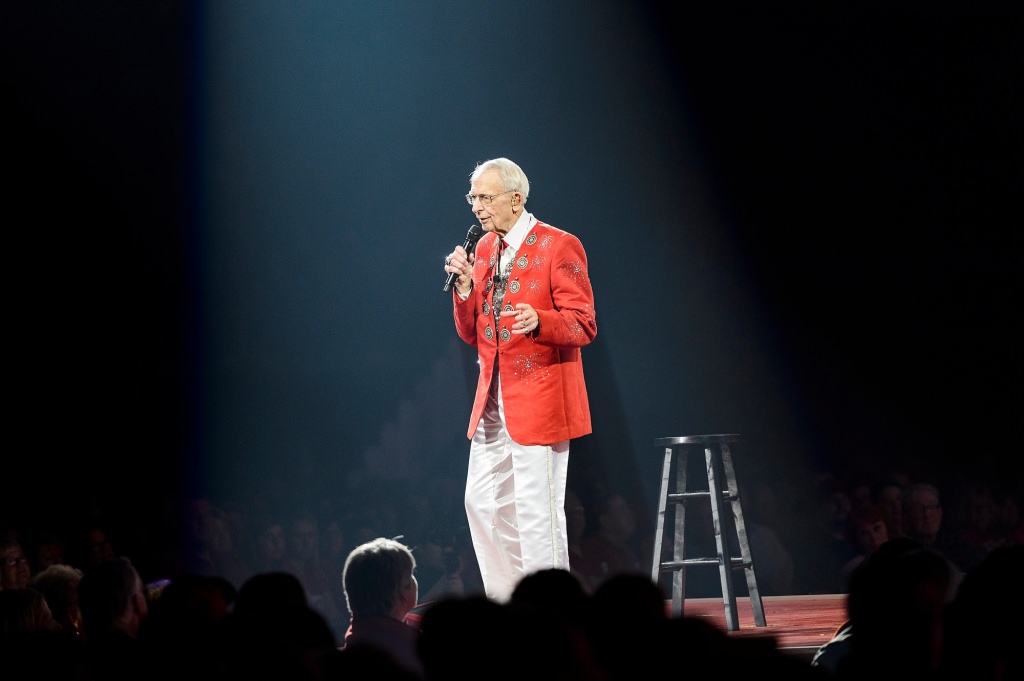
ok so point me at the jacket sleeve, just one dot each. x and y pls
(572, 322)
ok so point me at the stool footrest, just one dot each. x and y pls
(734, 563)
(680, 497)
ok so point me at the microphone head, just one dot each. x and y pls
(474, 234)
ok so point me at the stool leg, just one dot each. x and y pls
(741, 536)
(679, 537)
(659, 523)
(724, 557)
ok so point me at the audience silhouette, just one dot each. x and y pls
(896, 603)
(920, 606)
(381, 590)
(114, 604)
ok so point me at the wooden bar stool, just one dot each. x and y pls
(719, 465)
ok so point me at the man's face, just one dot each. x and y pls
(498, 216)
(870, 536)
(14, 568)
(924, 514)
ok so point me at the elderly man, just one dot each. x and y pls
(524, 299)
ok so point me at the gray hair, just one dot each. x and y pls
(510, 174)
(374, 575)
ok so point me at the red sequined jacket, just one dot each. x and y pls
(542, 384)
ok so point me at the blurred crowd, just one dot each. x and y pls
(916, 556)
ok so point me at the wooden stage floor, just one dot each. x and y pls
(799, 624)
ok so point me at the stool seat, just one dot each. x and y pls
(719, 466)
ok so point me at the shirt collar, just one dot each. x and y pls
(523, 225)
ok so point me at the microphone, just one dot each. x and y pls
(474, 234)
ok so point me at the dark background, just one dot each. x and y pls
(226, 223)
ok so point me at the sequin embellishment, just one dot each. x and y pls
(528, 368)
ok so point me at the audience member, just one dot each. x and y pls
(303, 560)
(628, 650)
(889, 495)
(1008, 515)
(457, 640)
(859, 486)
(983, 623)
(439, 566)
(553, 607)
(46, 548)
(895, 606)
(576, 531)
(610, 548)
(92, 546)
(272, 632)
(381, 590)
(210, 548)
(15, 568)
(24, 609)
(975, 519)
(922, 514)
(31, 643)
(268, 547)
(181, 634)
(826, 547)
(867, 532)
(773, 561)
(59, 585)
(265, 591)
(113, 602)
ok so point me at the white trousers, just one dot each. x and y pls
(515, 504)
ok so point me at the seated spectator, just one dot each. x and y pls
(47, 547)
(457, 640)
(91, 544)
(889, 495)
(552, 605)
(439, 567)
(182, 632)
(31, 644)
(975, 519)
(15, 569)
(1008, 516)
(210, 547)
(273, 632)
(303, 560)
(265, 591)
(772, 558)
(268, 545)
(610, 548)
(825, 547)
(576, 531)
(924, 523)
(380, 591)
(24, 609)
(59, 585)
(629, 626)
(114, 604)
(867, 532)
(983, 623)
(895, 612)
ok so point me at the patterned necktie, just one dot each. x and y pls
(499, 284)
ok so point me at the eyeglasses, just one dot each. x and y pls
(485, 199)
(12, 562)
